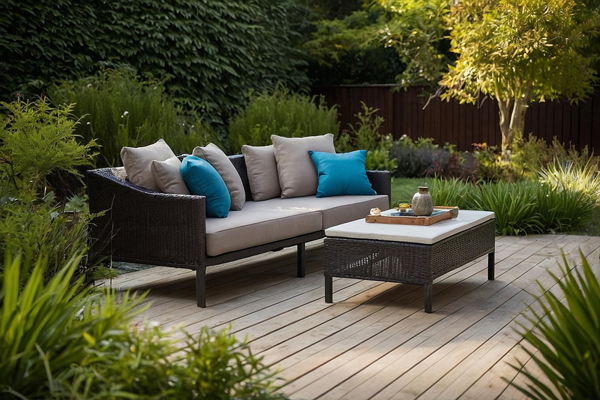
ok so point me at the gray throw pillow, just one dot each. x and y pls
(262, 172)
(138, 160)
(167, 176)
(297, 173)
(219, 160)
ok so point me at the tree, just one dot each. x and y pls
(519, 51)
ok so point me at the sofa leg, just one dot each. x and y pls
(301, 256)
(201, 287)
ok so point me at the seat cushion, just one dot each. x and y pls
(259, 223)
(339, 209)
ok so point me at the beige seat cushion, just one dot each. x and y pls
(219, 160)
(297, 172)
(138, 160)
(259, 223)
(262, 172)
(167, 176)
(337, 209)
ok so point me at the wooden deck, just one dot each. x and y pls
(374, 341)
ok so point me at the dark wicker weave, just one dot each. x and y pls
(147, 227)
(406, 262)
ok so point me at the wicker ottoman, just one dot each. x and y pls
(405, 253)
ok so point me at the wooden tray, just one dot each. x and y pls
(444, 213)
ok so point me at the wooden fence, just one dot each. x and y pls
(463, 124)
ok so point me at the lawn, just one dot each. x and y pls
(403, 189)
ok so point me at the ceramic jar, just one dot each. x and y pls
(422, 203)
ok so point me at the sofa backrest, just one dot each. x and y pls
(240, 165)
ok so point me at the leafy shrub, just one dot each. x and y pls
(564, 338)
(424, 158)
(490, 166)
(529, 156)
(366, 136)
(59, 340)
(520, 207)
(117, 109)
(212, 53)
(282, 113)
(37, 140)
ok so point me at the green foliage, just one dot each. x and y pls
(490, 165)
(117, 109)
(65, 341)
(519, 51)
(349, 51)
(561, 176)
(366, 136)
(564, 339)
(42, 227)
(520, 207)
(401, 40)
(46, 328)
(451, 192)
(421, 157)
(529, 156)
(211, 52)
(35, 141)
(282, 113)
(416, 30)
(144, 362)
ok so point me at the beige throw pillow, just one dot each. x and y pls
(219, 160)
(262, 172)
(297, 173)
(167, 176)
(138, 160)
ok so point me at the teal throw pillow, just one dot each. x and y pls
(202, 179)
(341, 174)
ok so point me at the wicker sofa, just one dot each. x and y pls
(142, 226)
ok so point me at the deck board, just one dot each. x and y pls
(374, 341)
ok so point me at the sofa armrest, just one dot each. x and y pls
(381, 181)
(142, 226)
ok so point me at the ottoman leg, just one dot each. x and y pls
(491, 266)
(428, 293)
(328, 289)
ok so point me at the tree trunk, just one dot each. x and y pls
(505, 108)
(512, 121)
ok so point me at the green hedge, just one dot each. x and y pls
(212, 52)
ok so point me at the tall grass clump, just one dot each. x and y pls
(584, 178)
(564, 339)
(520, 208)
(117, 109)
(282, 113)
(66, 341)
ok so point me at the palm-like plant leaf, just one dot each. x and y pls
(565, 338)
